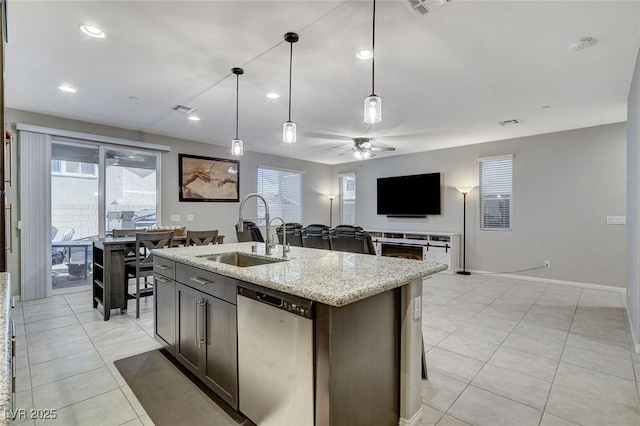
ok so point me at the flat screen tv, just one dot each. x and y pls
(409, 196)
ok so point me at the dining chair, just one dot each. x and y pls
(316, 236)
(294, 234)
(201, 238)
(142, 266)
(251, 233)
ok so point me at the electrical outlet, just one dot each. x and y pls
(417, 308)
(190, 217)
(616, 220)
(547, 264)
(175, 218)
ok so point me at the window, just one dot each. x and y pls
(347, 198)
(74, 168)
(496, 185)
(283, 190)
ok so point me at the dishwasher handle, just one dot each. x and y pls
(271, 300)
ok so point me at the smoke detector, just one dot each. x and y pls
(581, 43)
(422, 7)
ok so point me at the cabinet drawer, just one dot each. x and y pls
(164, 267)
(207, 282)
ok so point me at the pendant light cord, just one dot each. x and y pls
(373, 52)
(290, 72)
(237, 97)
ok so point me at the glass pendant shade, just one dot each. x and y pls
(357, 155)
(289, 132)
(237, 147)
(373, 109)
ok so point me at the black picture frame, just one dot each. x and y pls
(208, 179)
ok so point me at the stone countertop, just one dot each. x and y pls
(5, 344)
(331, 277)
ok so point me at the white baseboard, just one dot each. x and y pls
(554, 281)
(415, 420)
(634, 337)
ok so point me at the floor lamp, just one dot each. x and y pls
(331, 197)
(464, 190)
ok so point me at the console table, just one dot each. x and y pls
(441, 247)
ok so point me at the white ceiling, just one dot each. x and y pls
(446, 78)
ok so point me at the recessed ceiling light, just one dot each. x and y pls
(92, 31)
(365, 54)
(272, 95)
(133, 98)
(581, 43)
(194, 118)
(67, 88)
(546, 106)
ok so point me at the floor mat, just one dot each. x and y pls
(171, 395)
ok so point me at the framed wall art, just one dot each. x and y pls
(208, 179)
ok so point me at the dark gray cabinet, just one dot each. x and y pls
(165, 303)
(204, 334)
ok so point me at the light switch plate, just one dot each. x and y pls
(190, 217)
(417, 308)
(175, 218)
(616, 220)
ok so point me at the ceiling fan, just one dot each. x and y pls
(363, 148)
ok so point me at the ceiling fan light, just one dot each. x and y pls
(237, 147)
(357, 155)
(289, 132)
(366, 154)
(373, 109)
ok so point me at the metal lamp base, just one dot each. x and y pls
(464, 273)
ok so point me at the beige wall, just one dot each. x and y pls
(564, 186)
(318, 180)
(633, 205)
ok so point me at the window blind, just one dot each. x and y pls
(496, 192)
(283, 190)
(347, 184)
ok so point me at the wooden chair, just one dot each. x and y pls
(201, 238)
(143, 265)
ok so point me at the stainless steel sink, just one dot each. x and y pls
(239, 259)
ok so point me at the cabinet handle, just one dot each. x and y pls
(163, 267)
(197, 320)
(10, 208)
(201, 280)
(13, 329)
(13, 301)
(203, 313)
(162, 280)
(10, 144)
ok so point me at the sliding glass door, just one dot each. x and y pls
(95, 189)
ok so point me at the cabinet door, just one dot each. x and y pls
(165, 311)
(188, 327)
(220, 358)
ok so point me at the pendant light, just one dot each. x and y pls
(373, 102)
(289, 127)
(237, 147)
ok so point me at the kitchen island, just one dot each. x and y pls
(362, 312)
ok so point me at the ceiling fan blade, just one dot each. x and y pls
(327, 136)
(382, 148)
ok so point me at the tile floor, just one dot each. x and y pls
(514, 352)
(499, 352)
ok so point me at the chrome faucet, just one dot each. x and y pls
(268, 245)
(285, 248)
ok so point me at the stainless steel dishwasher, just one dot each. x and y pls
(275, 357)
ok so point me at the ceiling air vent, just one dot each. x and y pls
(183, 108)
(509, 122)
(422, 7)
